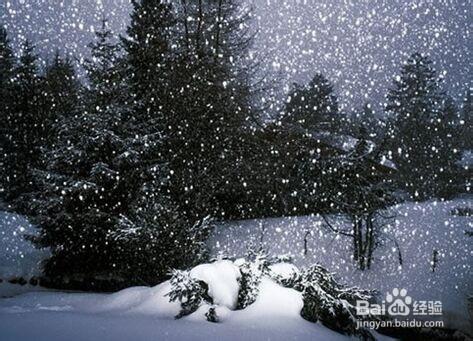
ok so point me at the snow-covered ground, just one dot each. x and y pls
(140, 313)
(143, 313)
(419, 228)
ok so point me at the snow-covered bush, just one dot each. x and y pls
(211, 315)
(282, 259)
(190, 292)
(251, 273)
(282, 272)
(236, 285)
(327, 300)
(213, 284)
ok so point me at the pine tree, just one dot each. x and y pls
(448, 145)
(61, 89)
(89, 182)
(191, 87)
(148, 48)
(211, 107)
(467, 120)
(103, 205)
(369, 121)
(415, 107)
(26, 127)
(7, 67)
(314, 106)
(106, 73)
(361, 189)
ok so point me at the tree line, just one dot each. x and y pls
(125, 171)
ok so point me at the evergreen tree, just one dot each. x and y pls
(108, 94)
(211, 107)
(369, 121)
(103, 206)
(415, 108)
(449, 147)
(191, 87)
(467, 120)
(148, 52)
(7, 68)
(61, 89)
(26, 127)
(294, 153)
(88, 182)
(314, 106)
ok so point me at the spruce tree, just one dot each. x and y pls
(7, 68)
(103, 207)
(60, 90)
(449, 147)
(26, 127)
(211, 107)
(106, 74)
(87, 182)
(62, 85)
(148, 53)
(362, 189)
(313, 107)
(415, 109)
(191, 88)
(467, 120)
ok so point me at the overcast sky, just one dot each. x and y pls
(358, 45)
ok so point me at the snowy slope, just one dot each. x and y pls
(419, 228)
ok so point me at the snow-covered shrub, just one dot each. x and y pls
(327, 300)
(283, 272)
(213, 284)
(249, 282)
(211, 315)
(223, 285)
(251, 273)
(190, 292)
(222, 280)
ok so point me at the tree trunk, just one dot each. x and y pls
(370, 239)
(219, 27)
(355, 239)
(305, 242)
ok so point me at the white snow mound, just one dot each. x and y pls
(222, 279)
